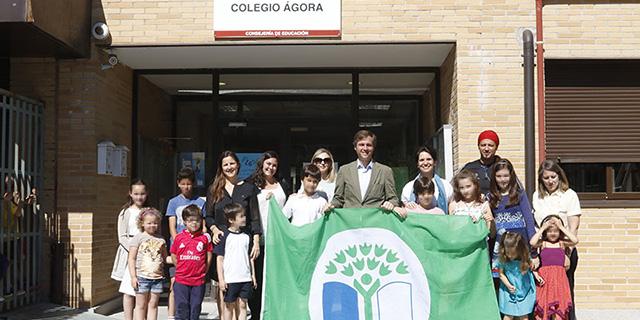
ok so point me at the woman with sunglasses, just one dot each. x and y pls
(426, 161)
(323, 159)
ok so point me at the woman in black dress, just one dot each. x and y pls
(226, 189)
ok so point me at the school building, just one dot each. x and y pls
(159, 84)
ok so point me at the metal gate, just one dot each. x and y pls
(21, 166)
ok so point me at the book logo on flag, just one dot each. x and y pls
(368, 274)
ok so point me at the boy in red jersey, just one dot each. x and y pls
(191, 252)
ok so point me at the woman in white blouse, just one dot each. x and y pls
(426, 162)
(554, 197)
(267, 180)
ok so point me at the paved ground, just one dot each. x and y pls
(47, 311)
(209, 311)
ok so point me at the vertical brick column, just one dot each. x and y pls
(78, 273)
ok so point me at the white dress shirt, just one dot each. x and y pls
(364, 176)
(303, 209)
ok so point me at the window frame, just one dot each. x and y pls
(598, 199)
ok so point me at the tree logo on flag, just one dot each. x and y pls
(376, 276)
(364, 265)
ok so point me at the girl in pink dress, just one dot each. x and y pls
(553, 297)
(468, 201)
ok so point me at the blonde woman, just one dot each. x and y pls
(323, 159)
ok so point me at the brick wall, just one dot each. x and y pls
(83, 106)
(591, 29)
(448, 98)
(609, 259)
(113, 122)
(94, 105)
(155, 109)
(428, 114)
(159, 21)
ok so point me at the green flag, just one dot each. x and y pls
(367, 264)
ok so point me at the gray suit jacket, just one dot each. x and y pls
(381, 187)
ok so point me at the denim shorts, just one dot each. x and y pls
(145, 285)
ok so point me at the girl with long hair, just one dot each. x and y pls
(510, 206)
(127, 229)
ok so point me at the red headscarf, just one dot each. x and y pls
(489, 134)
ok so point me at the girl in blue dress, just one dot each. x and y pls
(517, 293)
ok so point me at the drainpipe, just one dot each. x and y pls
(540, 63)
(529, 113)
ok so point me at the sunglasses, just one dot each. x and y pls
(322, 160)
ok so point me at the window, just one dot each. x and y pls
(626, 177)
(592, 111)
(599, 181)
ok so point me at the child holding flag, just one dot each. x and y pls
(424, 190)
(468, 201)
(306, 207)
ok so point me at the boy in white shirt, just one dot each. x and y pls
(308, 206)
(236, 271)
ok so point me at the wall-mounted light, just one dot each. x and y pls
(230, 108)
(197, 91)
(237, 124)
(370, 124)
(201, 91)
(377, 107)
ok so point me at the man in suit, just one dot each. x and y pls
(364, 183)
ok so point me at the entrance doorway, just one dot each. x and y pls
(290, 98)
(296, 113)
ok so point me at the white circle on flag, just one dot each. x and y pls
(368, 271)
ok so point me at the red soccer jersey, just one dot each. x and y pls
(191, 253)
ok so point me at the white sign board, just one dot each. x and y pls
(276, 18)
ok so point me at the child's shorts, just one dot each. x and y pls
(238, 290)
(149, 285)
